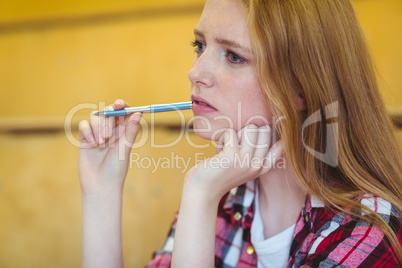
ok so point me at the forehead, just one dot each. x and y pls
(225, 19)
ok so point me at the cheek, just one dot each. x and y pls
(257, 114)
(241, 103)
(251, 109)
(249, 101)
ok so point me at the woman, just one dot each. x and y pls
(327, 193)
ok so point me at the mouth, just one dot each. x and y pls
(202, 105)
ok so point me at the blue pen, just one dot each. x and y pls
(153, 108)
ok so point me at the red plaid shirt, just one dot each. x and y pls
(322, 237)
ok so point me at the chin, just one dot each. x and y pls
(205, 130)
(204, 135)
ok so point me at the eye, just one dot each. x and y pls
(199, 46)
(234, 58)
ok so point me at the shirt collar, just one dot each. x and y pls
(239, 204)
(316, 202)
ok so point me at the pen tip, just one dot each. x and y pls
(99, 113)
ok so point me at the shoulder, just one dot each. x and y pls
(382, 207)
(339, 238)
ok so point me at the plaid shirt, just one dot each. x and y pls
(322, 237)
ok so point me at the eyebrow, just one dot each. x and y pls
(225, 42)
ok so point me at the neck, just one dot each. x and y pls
(280, 199)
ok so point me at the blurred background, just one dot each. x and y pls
(59, 60)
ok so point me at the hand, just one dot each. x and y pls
(105, 145)
(240, 157)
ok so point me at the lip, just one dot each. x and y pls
(200, 108)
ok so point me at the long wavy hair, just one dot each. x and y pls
(315, 50)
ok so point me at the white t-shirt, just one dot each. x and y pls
(272, 252)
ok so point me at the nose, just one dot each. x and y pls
(201, 73)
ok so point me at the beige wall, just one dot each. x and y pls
(55, 55)
(382, 24)
(141, 58)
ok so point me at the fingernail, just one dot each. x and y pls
(91, 139)
(107, 133)
(101, 140)
(116, 104)
(137, 118)
(219, 148)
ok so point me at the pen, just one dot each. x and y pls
(153, 108)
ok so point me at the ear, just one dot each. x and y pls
(301, 102)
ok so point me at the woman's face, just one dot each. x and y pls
(224, 86)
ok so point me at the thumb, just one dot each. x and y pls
(275, 154)
(132, 127)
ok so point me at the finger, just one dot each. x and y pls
(120, 104)
(131, 129)
(96, 123)
(263, 142)
(228, 141)
(108, 125)
(85, 132)
(87, 138)
(240, 134)
(273, 157)
(249, 139)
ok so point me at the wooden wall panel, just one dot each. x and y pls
(49, 72)
(382, 25)
(40, 200)
(12, 11)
